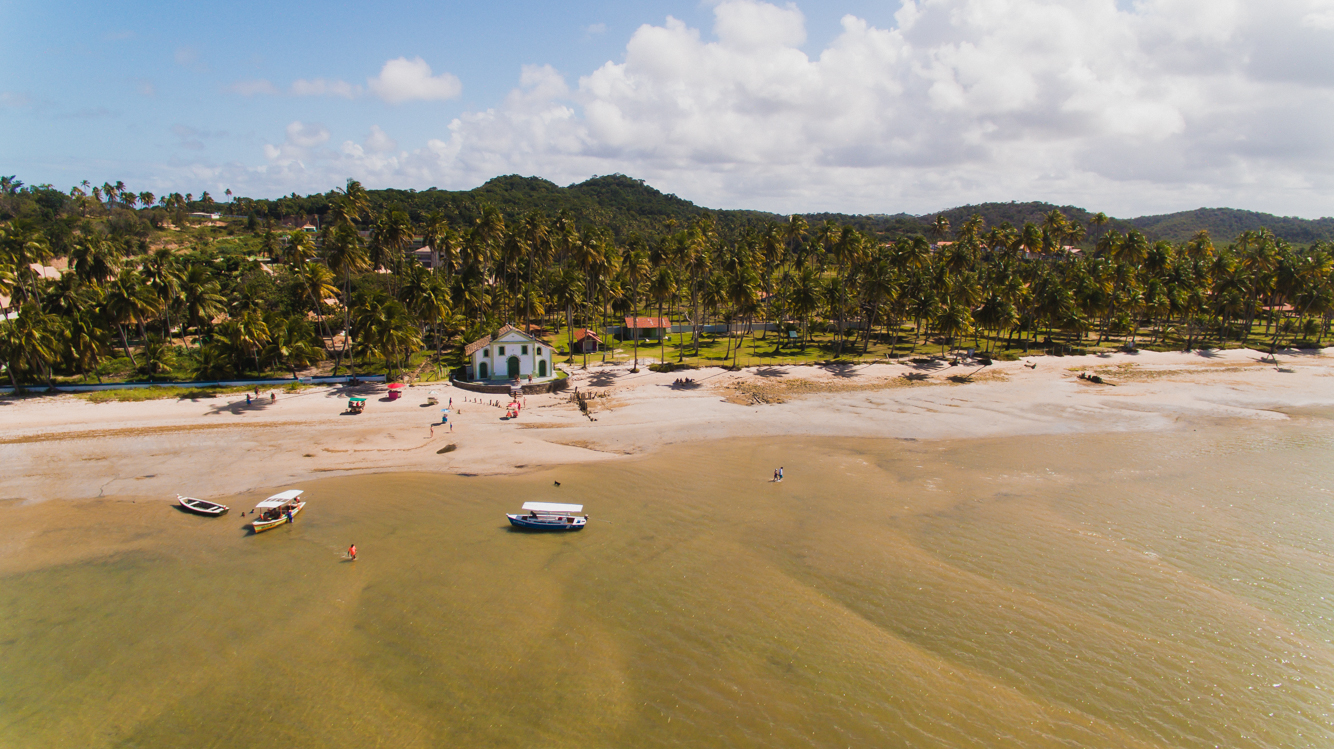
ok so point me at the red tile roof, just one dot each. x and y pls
(647, 322)
(476, 345)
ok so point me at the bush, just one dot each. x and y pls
(670, 367)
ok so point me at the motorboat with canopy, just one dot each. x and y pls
(549, 516)
(278, 509)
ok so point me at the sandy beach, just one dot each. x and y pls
(68, 448)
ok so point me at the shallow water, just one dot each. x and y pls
(1122, 590)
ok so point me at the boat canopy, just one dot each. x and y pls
(281, 498)
(356, 399)
(551, 507)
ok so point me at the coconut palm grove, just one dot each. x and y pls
(102, 283)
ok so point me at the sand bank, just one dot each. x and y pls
(67, 448)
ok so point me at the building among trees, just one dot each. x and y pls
(509, 354)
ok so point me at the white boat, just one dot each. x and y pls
(549, 516)
(278, 509)
(201, 506)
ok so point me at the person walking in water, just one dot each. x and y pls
(352, 552)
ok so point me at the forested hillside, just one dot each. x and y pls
(1224, 224)
(105, 282)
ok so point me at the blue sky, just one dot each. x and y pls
(1128, 107)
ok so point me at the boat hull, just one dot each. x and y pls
(200, 507)
(259, 526)
(527, 523)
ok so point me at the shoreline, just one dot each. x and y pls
(65, 447)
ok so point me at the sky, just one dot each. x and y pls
(1132, 107)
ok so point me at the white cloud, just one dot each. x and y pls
(1164, 105)
(378, 142)
(403, 80)
(595, 29)
(306, 135)
(1320, 15)
(399, 80)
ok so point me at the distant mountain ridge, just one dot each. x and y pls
(629, 204)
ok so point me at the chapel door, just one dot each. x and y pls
(541, 367)
(514, 366)
(481, 371)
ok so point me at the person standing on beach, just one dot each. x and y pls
(780, 473)
(352, 552)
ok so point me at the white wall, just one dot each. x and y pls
(498, 366)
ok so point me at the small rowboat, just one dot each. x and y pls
(549, 516)
(278, 509)
(201, 507)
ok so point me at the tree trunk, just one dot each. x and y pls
(126, 343)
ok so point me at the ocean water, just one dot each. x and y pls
(1116, 590)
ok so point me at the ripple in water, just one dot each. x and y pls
(1127, 590)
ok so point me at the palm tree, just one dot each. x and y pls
(249, 333)
(23, 245)
(29, 340)
(292, 345)
(879, 284)
(662, 289)
(941, 227)
(743, 292)
(201, 298)
(299, 250)
(85, 340)
(568, 288)
(95, 258)
(344, 254)
(163, 278)
(635, 266)
(954, 321)
(128, 300)
(158, 356)
(434, 234)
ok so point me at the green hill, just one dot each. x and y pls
(1224, 224)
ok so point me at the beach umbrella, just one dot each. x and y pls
(397, 386)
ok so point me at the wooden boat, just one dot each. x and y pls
(201, 507)
(278, 509)
(549, 516)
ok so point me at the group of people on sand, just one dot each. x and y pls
(778, 474)
(684, 381)
(273, 397)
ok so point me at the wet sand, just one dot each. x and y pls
(66, 448)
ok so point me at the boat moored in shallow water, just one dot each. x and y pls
(278, 509)
(549, 516)
(201, 506)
